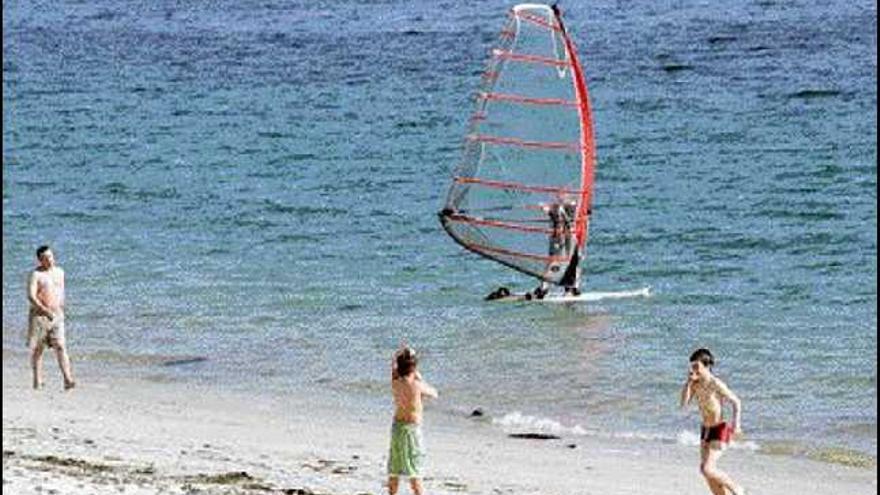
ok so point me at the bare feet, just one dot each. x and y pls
(38, 385)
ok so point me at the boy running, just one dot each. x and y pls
(715, 433)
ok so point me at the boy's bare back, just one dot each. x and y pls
(407, 392)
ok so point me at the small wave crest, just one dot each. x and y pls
(516, 421)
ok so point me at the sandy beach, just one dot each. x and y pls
(244, 197)
(113, 435)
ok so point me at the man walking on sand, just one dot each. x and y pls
(46, 316)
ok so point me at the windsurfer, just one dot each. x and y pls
(561, 214)
(505, 188)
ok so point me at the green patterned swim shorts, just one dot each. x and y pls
(406, 455)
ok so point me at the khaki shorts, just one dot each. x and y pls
(44, 332)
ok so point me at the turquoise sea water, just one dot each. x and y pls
(257, 183)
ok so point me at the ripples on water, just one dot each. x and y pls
(257, 183)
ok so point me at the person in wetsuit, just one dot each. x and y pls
(561, 246)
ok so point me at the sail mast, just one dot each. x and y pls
(588, 145)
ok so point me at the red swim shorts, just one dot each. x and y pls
(718, 433)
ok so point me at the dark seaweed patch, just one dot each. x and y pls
(183, 361)
(670, 68)
(75, 463)
(534, 436)
(351, 307)
(806, 94)
(713, 40)
(229, 478)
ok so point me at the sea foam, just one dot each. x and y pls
(516, 421)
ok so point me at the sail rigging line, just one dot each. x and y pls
(490, 75)
(534, 59)
(458, 217)
(507, 33)
(516, 254)
(489, 96)
(510, 141)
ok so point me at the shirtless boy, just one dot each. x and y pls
(715, 433)
(406, 454)
(46, 316)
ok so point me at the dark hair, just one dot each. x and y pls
(406, 362)
(703, 356)
(42, 249)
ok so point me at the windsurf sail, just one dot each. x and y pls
(521, 194)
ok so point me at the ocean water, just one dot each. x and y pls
(256, 183)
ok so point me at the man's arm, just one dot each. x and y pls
(725, 392)
(32, 296)
(61, 289)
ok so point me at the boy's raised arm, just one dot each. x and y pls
(686, 392)
(427, 389)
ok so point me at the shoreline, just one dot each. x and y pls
(175, 370)
(133, 436)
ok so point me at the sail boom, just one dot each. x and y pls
(499, 224)
(507, 252)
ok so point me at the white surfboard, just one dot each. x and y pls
(582, 297)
